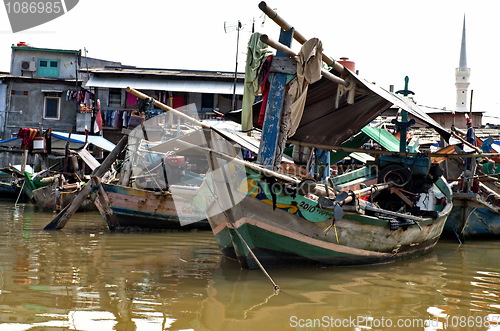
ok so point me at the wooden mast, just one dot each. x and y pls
(269, 148)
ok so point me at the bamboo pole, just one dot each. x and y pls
(381, 152)
(296, 34)
(477, 149)
(250, 165)
(166, 108)
(288, 51)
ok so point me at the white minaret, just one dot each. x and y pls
(462, 74)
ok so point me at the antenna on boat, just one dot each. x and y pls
(405, 123)
(229, 27)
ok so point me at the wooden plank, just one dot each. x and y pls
(284, 65)
(62, 218)
(88, 159)
(272, 119)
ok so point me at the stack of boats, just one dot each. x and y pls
(268, 208)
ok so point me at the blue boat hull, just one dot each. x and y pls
(476, 218)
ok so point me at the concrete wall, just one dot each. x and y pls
(3, 104)
(27, 110)
(67, 62)
(445, 119)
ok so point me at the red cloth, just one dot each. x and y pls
(131, 99)
(264, 87)
(27, 135)
(177, 102)
(98, 122)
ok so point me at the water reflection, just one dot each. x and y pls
(86, 278)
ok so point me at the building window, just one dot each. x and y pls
(48, 68)
(207, 102)
(51, 109)
(115, 98)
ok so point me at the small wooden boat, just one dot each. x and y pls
(11, 183)
(160, 181)
(476, 205)
(9, 190)
(56, 193)
(147, 209)
(476, 197)
(475, 214)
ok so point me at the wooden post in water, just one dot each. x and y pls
(272, 121)
(64, 215)
(101, 201)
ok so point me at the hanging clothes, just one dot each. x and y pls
(309, 62)
(98, 122)
(125, 118)
(131, 99)
(265, 85)
(257, 51)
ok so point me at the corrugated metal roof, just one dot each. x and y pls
(195, 86)
(122, 70)
(434, 110)
(383, 137)
(30, 48)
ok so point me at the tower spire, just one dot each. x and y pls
(462, 75)
(463, 50)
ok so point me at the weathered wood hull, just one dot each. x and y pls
(48, 198)
(145, 209)
(294, 230)
(471, 217)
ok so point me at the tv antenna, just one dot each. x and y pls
(230, 27)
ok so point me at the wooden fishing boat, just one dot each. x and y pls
(9, 190)
(11, 183)
(294, 228)
(257, 214)
(54, 190)
(475, 214)
(159, 195)
(476, 206)
(160, 180)
(56, 194)
(145, 209)
(263, 217)
(476, 197)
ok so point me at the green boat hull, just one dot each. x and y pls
(279, 232)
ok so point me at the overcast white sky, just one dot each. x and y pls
(388, 39)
